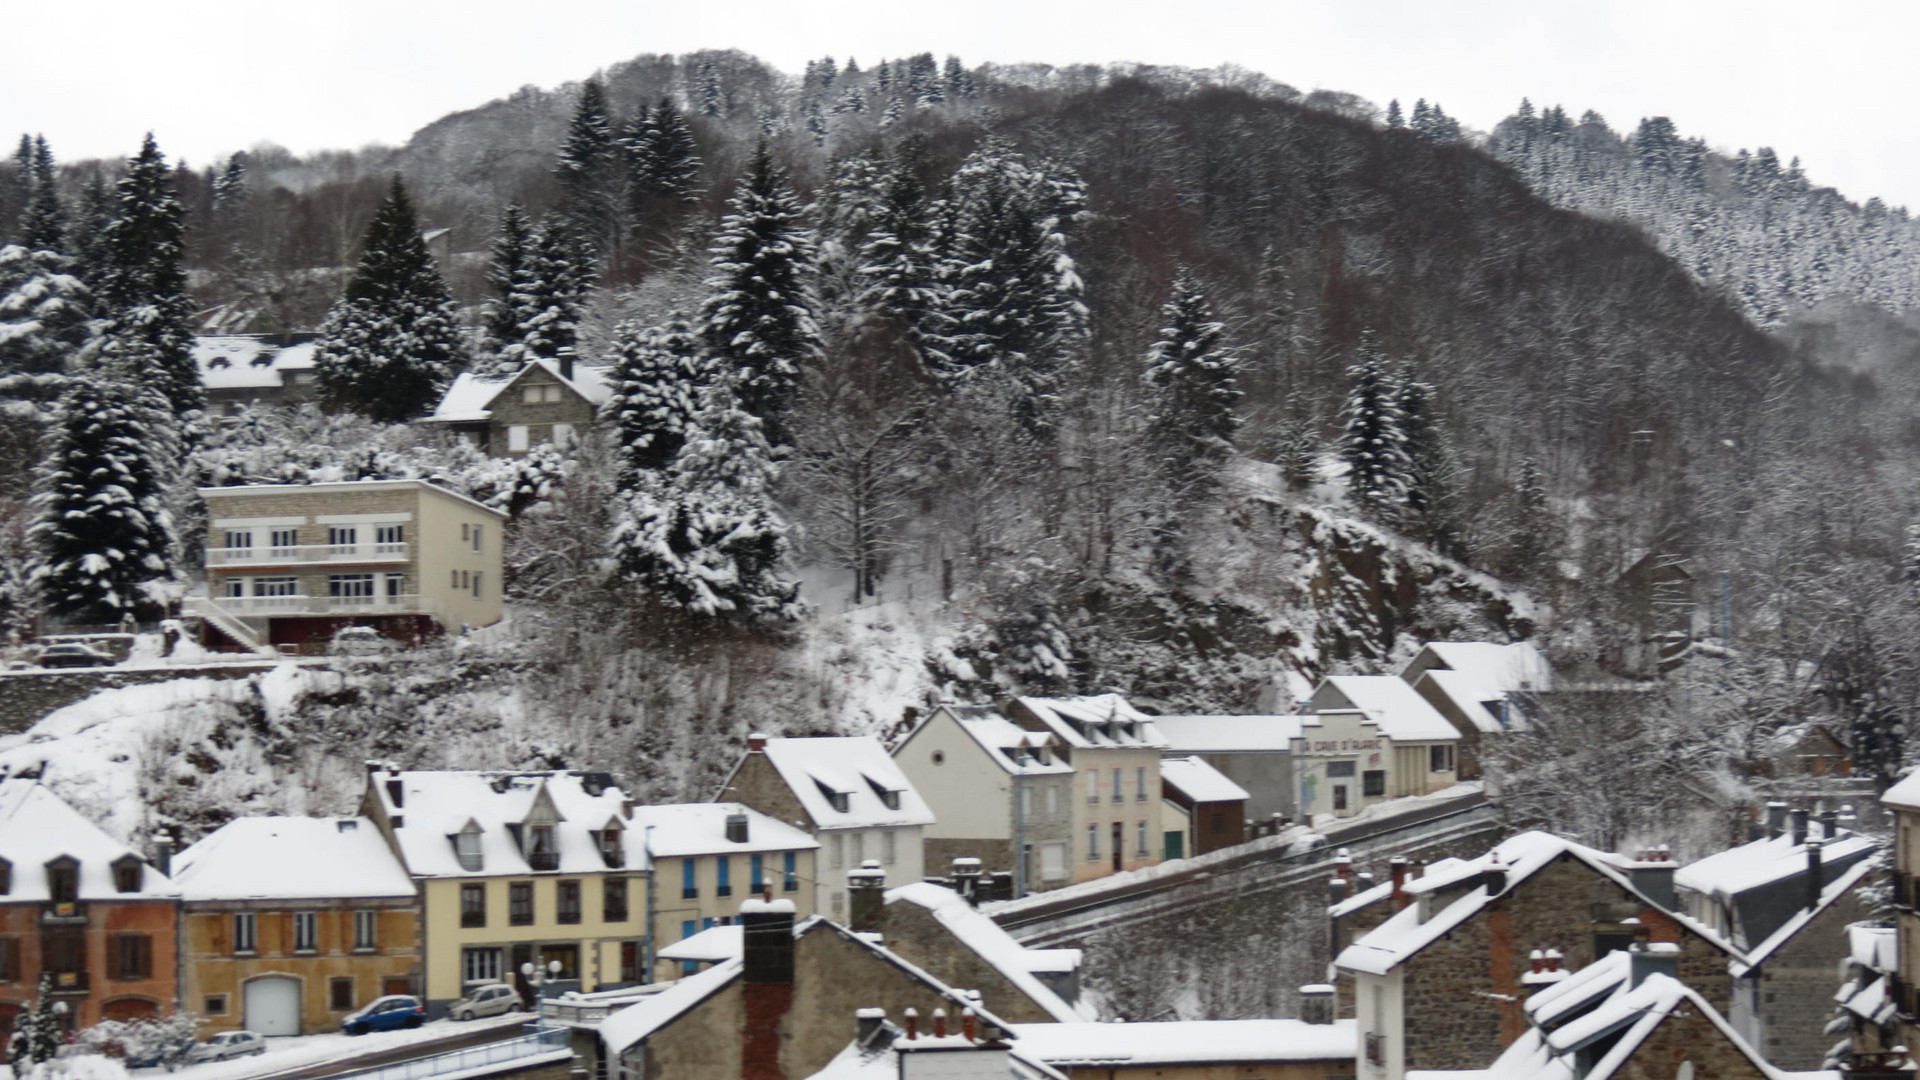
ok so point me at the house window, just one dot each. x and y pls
(1053, 800)
(464, 529)
(1053, 862)
(126, 874)
(1373, 782)
(466, 844)
(63, 951)
(542, 855)
(835, 849)
(1118, 793)
(723, 875)
(689, 887)
(350, 586)
(480, 965)
(1440, 758)
(887, 847)
(63, 881)
(562, 435)
(1339, 796)
(476, 585)
(246, 932)
(569, 901)
(517, 438)
(756, 874)
(520, 903)
(1340, 770)
(473, 905)
(547, 394)
(1140, 782)
(859, 845)
(239, 540)
(342, 538)
(283, 541)
(1093, 785)
(276, 586)
(366, 929)
(340, 994)
(214, 1005)
(1140, 840)
(613, 899)
(1093, 841)
(476, 538)
(9, 959)
(789, 872)
(132, 957)
(234, 588)
(389, 539)
(629, 961)
(610, 846)
(306, 931)
(454, 583)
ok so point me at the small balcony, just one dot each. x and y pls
(266, 607)
(70, 982)
(63, 913)
(544, 860)
(307, 554)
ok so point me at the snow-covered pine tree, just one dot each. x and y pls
(706, 534)
(87, 231)
(1432, 491)
(1394, 117)
(43, 226)
(658, 378)
(591, 173)
(1192, 392)
(1296, 453)
(1373, 443)
(708, 91)
(45, 311)
(1013, 292)
(758, 322)
(142, 287)
(39, 1033)
(390, 344)
(898, 269)
(1533, 529)
(102, 536)
(506, 269)
(670, 161)
(558, 273)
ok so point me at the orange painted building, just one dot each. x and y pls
(83, 908)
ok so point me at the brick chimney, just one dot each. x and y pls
(1652, 877)
(1316, 1003)
(866, 898)
(1398, 867)
(757, 743)
(966, 879)
(767, 985)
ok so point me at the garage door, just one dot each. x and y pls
(273, 1006)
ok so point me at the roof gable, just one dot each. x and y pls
(845, 781)
(38, 827)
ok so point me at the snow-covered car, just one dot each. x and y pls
(169, 1054)
(361, 641)
(74, 654)
(490, 1000)
(228, 1044)
(386, 1014)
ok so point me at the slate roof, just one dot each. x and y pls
(37, 826)
(856, 766)
(294, 858)
(436, 806)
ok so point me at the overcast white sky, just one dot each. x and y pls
(1832, 82)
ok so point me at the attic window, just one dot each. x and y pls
(888, 795)
(541, 854)
(63, 880)
(264, 359)
(6, 877)
(610, 845)
(466, 845)
(127, 873)
(217, 363)
(837, 799)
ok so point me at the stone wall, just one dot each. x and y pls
(914, 933)
(27, 697)
(1797, 985)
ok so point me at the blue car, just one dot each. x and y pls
(386, 1014)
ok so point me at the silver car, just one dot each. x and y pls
(491, 1000)
(227, 1044)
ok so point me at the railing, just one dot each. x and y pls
(544, 860)
(306, 553)
(474, 1057)
(589, 1012)
(242, 607)
(63, 912)
(71, 982)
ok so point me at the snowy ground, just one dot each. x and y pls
(299, 1051)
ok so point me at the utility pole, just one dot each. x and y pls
(646, 951)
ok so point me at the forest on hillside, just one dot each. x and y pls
(1174, 383)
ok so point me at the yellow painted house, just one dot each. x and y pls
(518, 868)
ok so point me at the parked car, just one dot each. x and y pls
(362, 641)
(490, 1000)
(227, 1044)
(170, 1054)
(74, 654)
(386, 1014)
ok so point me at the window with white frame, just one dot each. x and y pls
(1119, 792)
(239, 540)
(1053, 800)
(480, 965)
(234, 587)
(517, 437)
(1140, 839)
(1140, 783)
(1053, 862)
(276, 586)
(366, 929)
(343, 536)
(350, 586)
(1093, 785)
(834, 848)
(246, 932)
(306, 931)
(388, 539)
(283, 541)
(1093, 841)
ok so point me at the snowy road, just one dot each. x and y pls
(304, 1057)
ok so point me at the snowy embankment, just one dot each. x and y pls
(287, 1053)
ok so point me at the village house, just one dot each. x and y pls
(290, 923)
(517, 868)
(290, 565)
(1477, 686)
(1193, 1049)
(995, 788)
(709, 856)
(848, 794)
(1866, 1008)
(82, 909)
(1114, 750)
(545, 402)
(1903, 799)
(1367, 738)
(884, 1050)
(1204, 810)
(1255, 752)
(243, 370)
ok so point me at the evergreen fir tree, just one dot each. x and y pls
(958, 80)
(1296, 453)
(45, 311)
(38, 1033)
(658, 378)
(591, 172)
(1394, 118)
(1193, 392)
(43, 227)
(142, 288)
(706, 535)
(1431, 498)
(1014, 293)
(758, 322)
(102, 535)
(1373, 444)
(899, 268)
(87, 232)
(557, 275)
(1910, 555)
(672, 159)
(506, 273)
(713, 100)
(390, 344)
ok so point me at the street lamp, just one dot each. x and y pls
(538, 977)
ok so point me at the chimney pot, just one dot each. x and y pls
(1797, 826)
(968, 1026)
(1538, 961)
(757, 742)
(912, 1017)
(1316, 1003)
(939, 1023)
(1776, 817)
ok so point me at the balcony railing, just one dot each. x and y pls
(70, 982)
(64, 912)
(544, 860)
(256, 607)
(307, 553)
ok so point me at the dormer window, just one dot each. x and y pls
(836, 799)
(63, 880)
(610, 851)
(264, 359)
(127, 873)
(6, 877)
(466, 845)
(217, 363)
(888, 796)
(541, 852)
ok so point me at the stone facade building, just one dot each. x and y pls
(548, 401)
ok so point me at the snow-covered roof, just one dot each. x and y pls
(1905, 794)
(334, 487)
(470, 397)
(637, 1022)
(1869, 1001)
(1471, 695)
(1876, 948)
(1762, 862)
(37, 827)
(239, 362)
(1185, 1042)
(1103, 720)
(879, 1059)
(1005, 741)
(679, 829)
(1758, 952)
(291, 858)
(1014, 961)
(434, 807)
(1403, 934)
(1394, 706)
(1228, 734)
(857, 767)
(1501, 668)
(1199, 781)
(713, 945)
